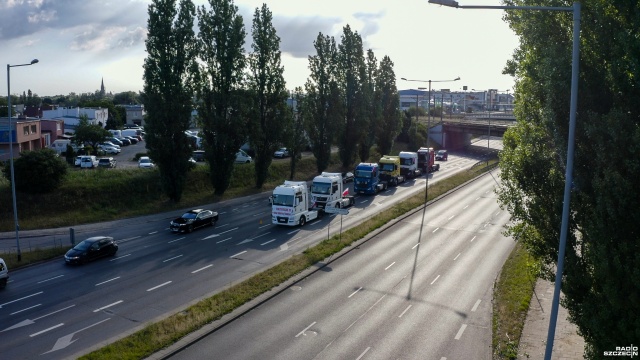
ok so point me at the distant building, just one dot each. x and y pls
(71, 116)
(134, 114)
(23, 133)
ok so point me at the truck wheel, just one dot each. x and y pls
(303, 219)
(337, 205)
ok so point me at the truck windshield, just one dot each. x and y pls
(407, 161)
(387, 167)
(282, 200)
(363, 173)
(320, 188)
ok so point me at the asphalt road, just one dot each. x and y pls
(398, 296)
(59, 311)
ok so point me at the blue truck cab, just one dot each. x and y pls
(367, 179)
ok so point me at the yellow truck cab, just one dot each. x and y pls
(390, 170)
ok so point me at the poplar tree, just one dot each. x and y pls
(351, 72)
(224, 107)
(371, 110)
(323, 103)
(267, 87)
(387, 96)
(168, 79)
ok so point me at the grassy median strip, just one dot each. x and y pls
(159, 335)
(511, 298)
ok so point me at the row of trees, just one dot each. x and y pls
(348, 101)
(601, 279)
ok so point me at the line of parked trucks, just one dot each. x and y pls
(294, 203)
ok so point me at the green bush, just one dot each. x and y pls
(37, 172)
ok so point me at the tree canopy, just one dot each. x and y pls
(601, 279)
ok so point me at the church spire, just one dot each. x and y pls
(102, 92)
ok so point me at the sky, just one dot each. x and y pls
(80, 43)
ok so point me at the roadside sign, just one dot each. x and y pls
(333, 210)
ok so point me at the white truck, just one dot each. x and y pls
(409, 164)
(290, 204)
(327, 190)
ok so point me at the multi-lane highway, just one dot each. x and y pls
(396, 296)
(55, 311)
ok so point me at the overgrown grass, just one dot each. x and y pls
(511, 298)
(165, 332)
(88, 196)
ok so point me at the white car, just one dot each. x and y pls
(145, 162)
(4, 274)
(281, 153)
(109, 149)
(243, 158)
(88, 161)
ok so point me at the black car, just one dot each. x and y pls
(442, 155)
(194, 219)
(91, 249)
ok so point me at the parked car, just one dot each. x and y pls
(78, 161)
(116, 141)
(132, 138)
(107, 162)
(91, 249)
(125, 141)
(281, 153)
(110, 143)
(198, 155)
(4, 274)
(145, 162)
(442, 155)
(107, 149)
(243, 158)
(88, 161)
(194, 219)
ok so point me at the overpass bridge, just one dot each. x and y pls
(457, 133)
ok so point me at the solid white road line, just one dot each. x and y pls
(173, 258)
(390, 265)
(293, 232)
(178, 239)
(221, 241)
(51, 313)
(270, 241)
(45, 330)
(120, 257)
(153, 232)
(459, 334)
(108, 306)
(159, 286)
(436, 279)
(405, 310)
(55, 277)
(260, 227)
(475, 306)
(202, 268)
(19, 311)
(364, 352)
(240, 253)
(305, 329)
(235, 228)
(353, 293)
(104, 282)
(22, 298)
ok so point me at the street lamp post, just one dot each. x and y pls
(13, 180)
(568, 179)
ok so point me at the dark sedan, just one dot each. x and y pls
(91, 249)
(194, 219)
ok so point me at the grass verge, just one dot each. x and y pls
(511, 298)
(159, 335)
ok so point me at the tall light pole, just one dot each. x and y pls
(568, 179)
(11, 131)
